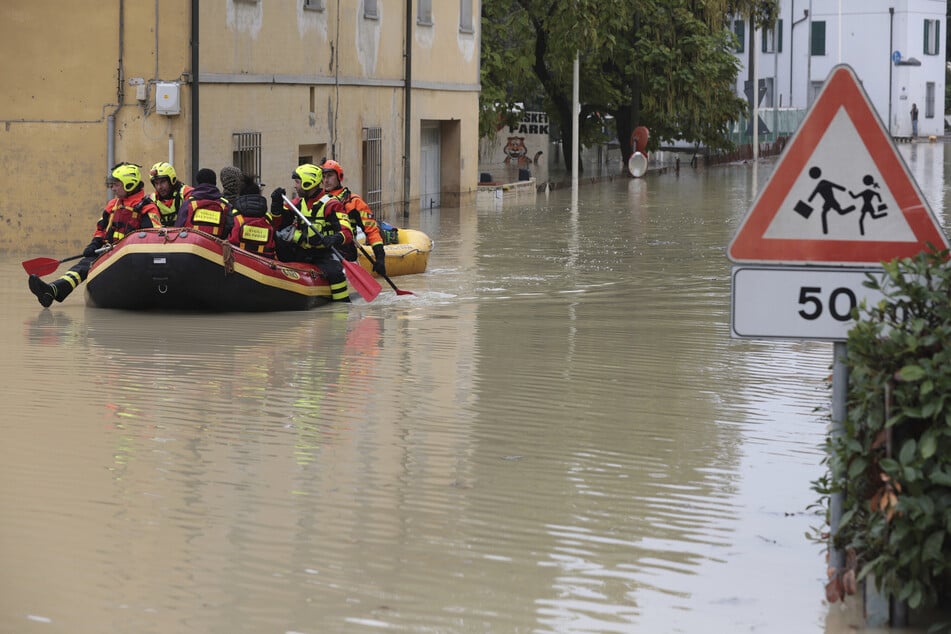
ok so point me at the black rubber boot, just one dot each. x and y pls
(44, 292)
(61, 289)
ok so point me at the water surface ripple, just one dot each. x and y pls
(555, 434)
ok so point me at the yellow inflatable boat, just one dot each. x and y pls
(407, 256)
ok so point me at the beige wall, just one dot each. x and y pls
(301, 78)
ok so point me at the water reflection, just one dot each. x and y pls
(555, 434)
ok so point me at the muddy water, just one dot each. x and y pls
(555, 434)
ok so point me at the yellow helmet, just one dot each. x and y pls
(309, 176)
(163, 170)
(128, 174)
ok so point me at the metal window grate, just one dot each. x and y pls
(246, 153)
(373, 168)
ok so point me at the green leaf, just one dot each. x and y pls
(931, 549)
(908, 449)
(911, 373)
(929, 444)
(888, 465)
(941, 478)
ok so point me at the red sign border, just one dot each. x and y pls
(841, 90)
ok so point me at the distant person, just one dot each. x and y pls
(253, 224)
(169, 191)
(914, 120)
(359, 213)
(205, 209)
(129, 211)
(330, 228)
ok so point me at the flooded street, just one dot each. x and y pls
(555, 434)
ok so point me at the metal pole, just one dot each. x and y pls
(891, 48)
(407, 105)
(840, 389)
(809, 61)
(196, 128)
(575, 115)
(755, 93)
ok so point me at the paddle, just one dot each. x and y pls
(385, 277)
(368, 287)
(45, 266)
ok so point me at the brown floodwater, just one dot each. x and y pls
(555, 434)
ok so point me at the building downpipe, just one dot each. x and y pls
(195, 127)
(407, 106)
(120, 94)
(891, 47)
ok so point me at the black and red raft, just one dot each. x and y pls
(187, 269)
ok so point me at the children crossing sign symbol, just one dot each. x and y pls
(840, 194)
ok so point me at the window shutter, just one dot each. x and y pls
(739, 28)
(937, 37)
(818, 38)
(764, 42)
(927, 38)
(779, 36)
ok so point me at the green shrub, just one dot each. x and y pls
(895, 455)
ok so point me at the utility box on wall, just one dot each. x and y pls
(167, 98)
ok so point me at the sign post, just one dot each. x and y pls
(840, 202)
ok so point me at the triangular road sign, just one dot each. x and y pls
(840, 194)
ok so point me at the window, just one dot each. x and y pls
(929, 100)
(373, 168)
(773, 38)
(739, 30)
(932, 35)
(819, 38)
(424, 12)
(246, 153)
(314, 5)
(465, 16)
(370, 10)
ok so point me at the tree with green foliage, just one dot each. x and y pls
(664, 64)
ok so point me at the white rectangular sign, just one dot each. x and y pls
(798, 303)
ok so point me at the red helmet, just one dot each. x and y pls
(331, 165)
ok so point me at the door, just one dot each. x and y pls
(429, 163)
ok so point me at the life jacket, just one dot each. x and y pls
(208, 215)
(122, 219)
(315, 211)
(169, 208)
(254, 234)
(360, 215)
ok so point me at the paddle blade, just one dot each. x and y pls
(368, 287)
(400, 291)
(41, 266)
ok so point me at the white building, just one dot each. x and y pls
(896, 48)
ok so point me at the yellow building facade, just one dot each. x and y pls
(389, 89)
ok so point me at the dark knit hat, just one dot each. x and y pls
(206, 176)
(230, 180)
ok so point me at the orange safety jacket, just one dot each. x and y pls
(360, 214)
(254, 234)
(208, 215)
(125, 215)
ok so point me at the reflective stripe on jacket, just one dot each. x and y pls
(125, 215)
(254, 234)
(211, 216)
